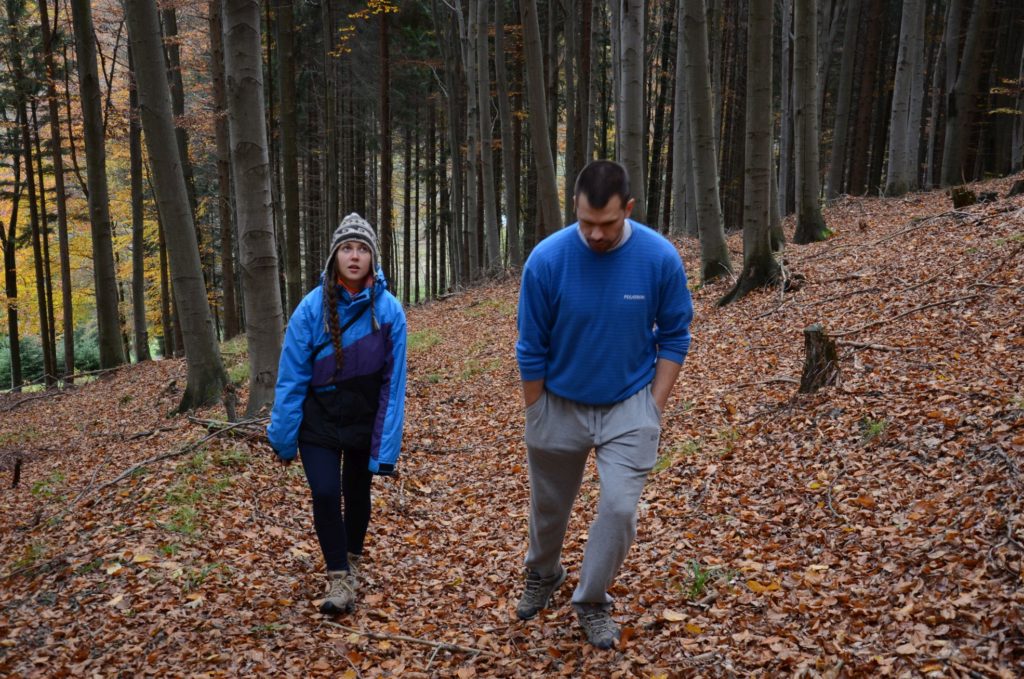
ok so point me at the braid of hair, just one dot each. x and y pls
(331, 304)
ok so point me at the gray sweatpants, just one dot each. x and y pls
(559, 436)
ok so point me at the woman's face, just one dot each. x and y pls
(353, 262)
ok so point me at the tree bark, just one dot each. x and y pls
(508, 156)
(713, 249)
(547, 187)
(631, 149)
(104, 273)
(902, 174)
(59, 189)
(760, 268)
(289, 150)
(141, 334)
(960, 100)
(494, 263)
(821, 360)
(810, 225)
(386, 229)
(840, 130)
(205, 372)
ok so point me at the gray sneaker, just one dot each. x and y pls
(538, 591)
(596, 621)
(340, 596)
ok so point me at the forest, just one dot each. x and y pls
(170, 176)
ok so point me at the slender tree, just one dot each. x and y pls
(631, 148)
(841, 127)
(714, 254)
(902, 173)
(550, 216)
(508, 156)
(760, 267)
(289, 150)
(206, 376)
(494, 261)
(138, 220)
(959, 112)
(250, 159)
(810, 225)
(104, 272)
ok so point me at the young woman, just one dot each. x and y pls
(340, 398)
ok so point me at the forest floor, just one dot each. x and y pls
(873, 528)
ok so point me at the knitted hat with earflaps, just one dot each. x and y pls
(354, 228)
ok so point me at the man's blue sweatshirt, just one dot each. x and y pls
(592, 325)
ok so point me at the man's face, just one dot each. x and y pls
(602, 227)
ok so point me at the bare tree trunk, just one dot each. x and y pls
(902, 176)
(59, 189)
(7, 241)
(810, 225)
(655, 177)
(857, 181)
(508, 156)
(787, 185)
(959, 112)
(714, 252)
(138, 222)
(1017, 154)
(547, 187)
(205, 372)
(104, 273)
(760, 268)
(169, 18)
(386, 229)
(289, 151)
(682, 166)
(226, 192)
(467, 40)
(494, 263)
(841, 128)
(631, 149)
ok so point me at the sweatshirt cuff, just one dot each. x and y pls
(670, 355)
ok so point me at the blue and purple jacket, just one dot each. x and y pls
(362, 405)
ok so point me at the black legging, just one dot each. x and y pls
(331, 482)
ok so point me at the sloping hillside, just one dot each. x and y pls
(872, 528)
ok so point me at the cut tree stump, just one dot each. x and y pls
(1016, 189)
(963, 196)
(821, 363)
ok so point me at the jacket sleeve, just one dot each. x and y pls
(384, 451)
(294, 372)
(675, 311)
(534, 320)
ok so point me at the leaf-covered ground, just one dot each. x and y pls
(873, 528)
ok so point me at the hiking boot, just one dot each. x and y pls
(341, 595)
(355, 570)
(596, 621)
(538, 591)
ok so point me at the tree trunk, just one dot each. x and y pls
(104, 274)
(810, 225)
(960, 101)
(1018, 124)
(138, 221)
(857, 182)
(169, 19)
(681, 150)
(386, 232)
(760, 268)
(60, 191)
(550, 216)
(787, 185)
(289, 150)
(205, 372)
(226, 194)
(631, 149)
(714, 252)
(494, 263)
(841, 128)
(508, 156)
(902, 174)
(655, 178)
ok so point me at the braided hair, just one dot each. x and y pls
(331, 313)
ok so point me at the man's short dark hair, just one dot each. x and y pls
(600, 180)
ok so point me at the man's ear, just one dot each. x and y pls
(629, 207)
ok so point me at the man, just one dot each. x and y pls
(604, 315)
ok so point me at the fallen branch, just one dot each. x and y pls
(770, 380)
(828, 494)
(19, 402)
(876, 347)
(920, 224)
(442, 645)
(131, 470)
(873, 324)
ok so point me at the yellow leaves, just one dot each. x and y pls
(758, 588)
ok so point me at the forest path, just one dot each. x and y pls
(873, 528)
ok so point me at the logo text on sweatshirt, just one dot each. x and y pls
(633, 297)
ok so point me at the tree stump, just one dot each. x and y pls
(1016, 189)
(821, 362)
(962, 196)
